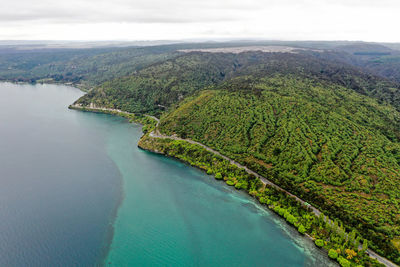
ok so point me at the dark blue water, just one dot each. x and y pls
(58, 188)
(67, 177)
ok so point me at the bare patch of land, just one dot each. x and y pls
(237, 50)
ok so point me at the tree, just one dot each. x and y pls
(291, 219)
(352, 237)
(321, 219)
(357, 243)
(364, 246)
(350, 253)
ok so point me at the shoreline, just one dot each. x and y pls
(123, 114)
(370, 253)
(256, 202)
(81, 87)
(283, 224)
(96, 109)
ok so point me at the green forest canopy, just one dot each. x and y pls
(334, 147)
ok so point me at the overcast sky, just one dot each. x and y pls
(368, 20)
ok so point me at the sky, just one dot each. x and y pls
(366, 20)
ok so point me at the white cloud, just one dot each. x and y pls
(181, 19)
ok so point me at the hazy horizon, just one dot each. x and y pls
(151, 20)
(32, 44)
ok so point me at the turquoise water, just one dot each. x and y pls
(176, 215)
(76, 191)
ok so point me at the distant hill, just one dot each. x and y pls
(163, 84)
(375, 58)
(365, 48)
(89, 64)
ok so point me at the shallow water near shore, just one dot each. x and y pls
(75, 190)
(175, 215)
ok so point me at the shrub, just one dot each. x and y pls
(301, 229)
(230, 182)
(319, 243)
(218, 176)
(332, 254)
(276, 209)
(281, 211)
(343, 262)
(209, 171)
(263, 200)
(291, 219)
(238, 186)
(253, 192)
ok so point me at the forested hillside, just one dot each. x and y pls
(88, 67)
(159, 86)
(84, 67)
(375, 58)
(336, 148)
